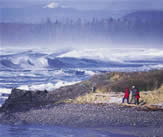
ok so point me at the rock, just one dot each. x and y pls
(22, 100)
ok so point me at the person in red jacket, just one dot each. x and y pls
(137, 96)
(126, 95)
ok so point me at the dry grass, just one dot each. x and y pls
(90, 98)
(152, 97)
(147, 97)
(108, 84)
(115, 77)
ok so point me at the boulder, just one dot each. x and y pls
(23, 100)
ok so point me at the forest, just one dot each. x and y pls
(136, 28)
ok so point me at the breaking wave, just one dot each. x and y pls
(87, 58)
(41, 67)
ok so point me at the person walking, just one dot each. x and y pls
(133, 96)
(126, 95)
(137, 96)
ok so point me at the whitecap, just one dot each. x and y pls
(91, 73)
(23, 87)
(117, 55)
(64, 83)
(5, 90)
(47, 86)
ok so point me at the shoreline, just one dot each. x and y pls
(110, 117)
(124, 113)
(108, 114)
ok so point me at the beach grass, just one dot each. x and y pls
(90, 98)
(152, 97)
(146, 97)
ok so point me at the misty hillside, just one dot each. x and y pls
(153, 15)
(38, 14)
(143, 27)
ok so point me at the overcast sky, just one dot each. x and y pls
(88, 4)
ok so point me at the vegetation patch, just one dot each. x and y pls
(117, 81)
(113, 84)
(89, 98)
(153, 97)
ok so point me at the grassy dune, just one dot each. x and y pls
(112, 85)
(90, 98)
(147, 97)
(153, 97)
(117, 81)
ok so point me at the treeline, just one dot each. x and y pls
(127, 30)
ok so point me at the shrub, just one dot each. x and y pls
(117, 81)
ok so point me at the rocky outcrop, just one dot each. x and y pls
(22, 100)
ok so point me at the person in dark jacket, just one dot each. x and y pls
(133, 96)
(126, 95)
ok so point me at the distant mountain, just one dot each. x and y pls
(55, 12)
(35, 14)
(52, 5)
(150, 15)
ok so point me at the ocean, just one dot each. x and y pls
(53, 131)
